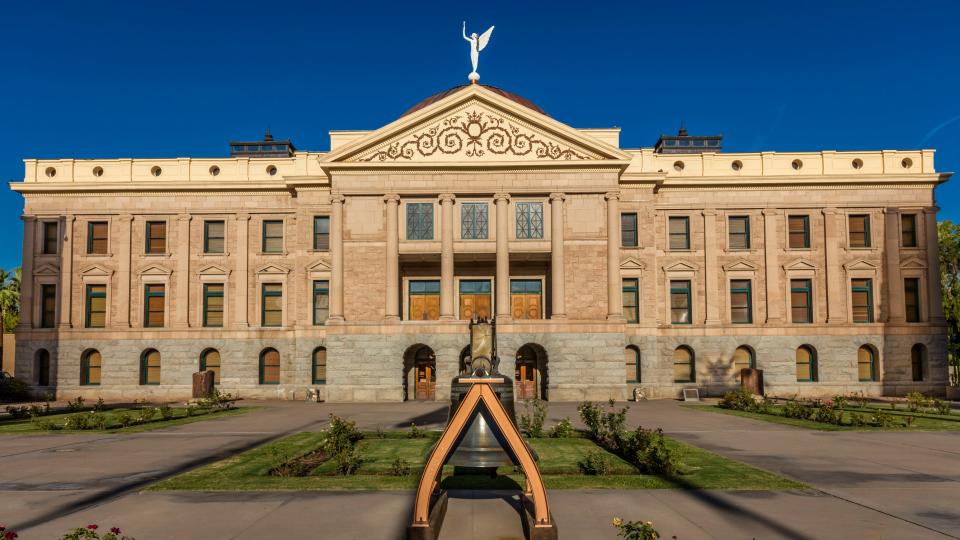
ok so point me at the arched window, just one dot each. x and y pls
(806, 364)
(743, 358)
(866, 363)
(43, 368)
(150, 367)
(684, 368)
(210, 361)
(918, 356)
(269, 367)
(90, 365)
(632, 356)
(320, 365)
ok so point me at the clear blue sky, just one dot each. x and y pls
(167, 79)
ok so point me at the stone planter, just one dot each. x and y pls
(953, 393)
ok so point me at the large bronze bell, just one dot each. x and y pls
(479, 447)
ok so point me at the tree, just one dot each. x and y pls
(9, 303)
(949, 237)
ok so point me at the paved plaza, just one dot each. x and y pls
(865, 485)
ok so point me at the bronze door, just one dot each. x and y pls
(526, 377)
(426, 384)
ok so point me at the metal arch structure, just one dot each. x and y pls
(480, 399)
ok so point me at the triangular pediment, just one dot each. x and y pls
(319, 266)
(213, 270)
(96, 270)
(800, 264)
(471, 126)
(860, 264)
(913, 263)
(155, 270)
(632, 263)
(272, 269)
(682, 266)
(741, 265)
(46, 270)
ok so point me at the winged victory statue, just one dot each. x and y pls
(477, 44)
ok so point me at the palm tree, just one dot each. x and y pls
(9, 303)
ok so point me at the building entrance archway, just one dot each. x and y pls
(420, 373)
(531, 372)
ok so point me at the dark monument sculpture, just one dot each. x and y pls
(481, 433)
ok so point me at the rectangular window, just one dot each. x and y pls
(272, 236)
(214, 234)
(321, 302)
(156, 237)
(741, 301)
(319, 372)
(628, 229)
(859, 231)
(48, 306)
(321, 233)
(861, 291)
(739, 232)
(50, 240)
(908, 230)
(526, 298)
(679, 233)
(97, 237)
(424, 300)
(475, 299)
(801, 301)
(681, 308)
(631, 300)
(529, 220)
(911, 298)
(153, 306)
(271, 304)
(474, 221)
(96, 300)
(799, 230)
(419, 221)
(213, 305)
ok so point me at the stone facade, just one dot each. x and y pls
(475, 146)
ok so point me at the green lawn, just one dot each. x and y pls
(921, 421)
(558, 464)
(26, 425)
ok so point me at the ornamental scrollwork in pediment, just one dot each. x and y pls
(475, 135)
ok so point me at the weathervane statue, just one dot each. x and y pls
(477, 44)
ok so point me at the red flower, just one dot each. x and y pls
(115, 530)
(9, 535)
(92, 527)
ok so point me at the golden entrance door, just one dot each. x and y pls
(426, 382)
(525, 299)
(475, 299)
(526, 378)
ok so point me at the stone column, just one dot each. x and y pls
(26, 275)
(556, 256)
(393, 258)
(243, 270)
(503, 257)
(934, 294)
(123, 244)
(614, 284)
(835, 295)
(182, 314)
(710, 268)
(894, 284)
(771, 268)
(66, 271)
(446, 256)
(336, 259)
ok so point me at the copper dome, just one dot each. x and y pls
(440, 95)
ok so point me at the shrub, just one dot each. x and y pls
(13, 389)
(340, 436)
(605, 427)
(347, 462)
(859, 399)
(857, 420)
(77, 421)
(99, 406)
(797, 409)
(39, 410)
(46, 425)
(827, 415)
(531, 423)
(400, 467)
(190, 410)
(166, 412)
(942, 407)
(76, 405)
(563, 429)
(635, 530)
(216, 401)
(647, 450)
(18, 413)
(97, 420)
(416, 432)
(917, 401)
(881, 419)
(595, 463)
(124, 419)
(738, 400)
(841, 402)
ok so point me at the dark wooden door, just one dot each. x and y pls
(426, 385)
(526, 377)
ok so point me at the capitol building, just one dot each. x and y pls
(353, 272)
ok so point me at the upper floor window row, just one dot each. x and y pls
(529, 220)
(679, 232)
(859, 230)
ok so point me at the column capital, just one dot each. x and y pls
(69, 218)
(391, 198)
(770, 212)
(28, 219)
(931, 210)
(709, 212)
(336, 198)
(557, 196)
(829, 211)
(501, 197)
(243, 216)
(891, 211)
(447, 198)
(612, 195)
(125, 219)
(184, 217)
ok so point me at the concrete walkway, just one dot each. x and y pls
(873, 485)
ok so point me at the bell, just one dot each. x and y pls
(479, 447)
